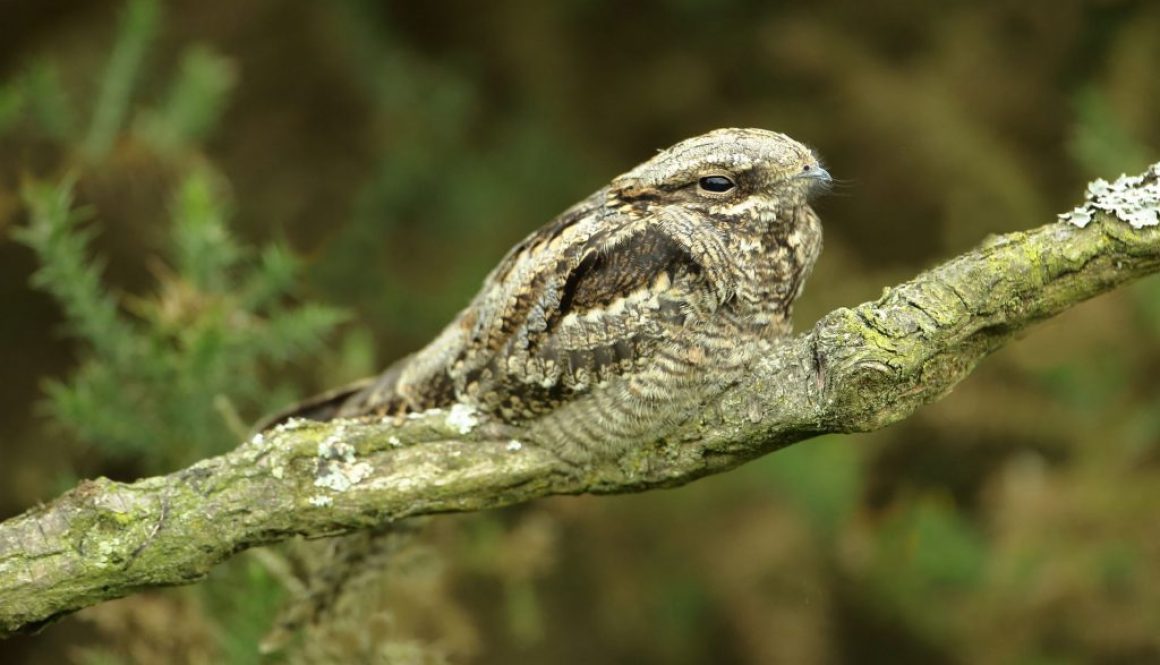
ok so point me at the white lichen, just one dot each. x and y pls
(320, 501)
(291, 424)
(462, 418)
(416, 415)
(341, 476)
(1080, 216)
(333, 447)
(106, 555)
(514, 446)
(394, 441)
(337, 467)
(1132, 199)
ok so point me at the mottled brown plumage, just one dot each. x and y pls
(618, 319)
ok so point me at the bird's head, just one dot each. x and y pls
(725, 174)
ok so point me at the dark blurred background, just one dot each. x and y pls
(398, 149)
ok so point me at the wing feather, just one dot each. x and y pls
(574, 304)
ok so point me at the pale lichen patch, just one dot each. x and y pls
(333, 446)
(321, 501)
(291, 424)
(514, 446)
(1132, 199)
(337, 468)
(107, 554)
(415, 415)
(341, 475)
(462, 417)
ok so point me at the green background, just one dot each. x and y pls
(239, 162)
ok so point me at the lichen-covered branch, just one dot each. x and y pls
(858, 369)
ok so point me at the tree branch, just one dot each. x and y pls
(857, 370)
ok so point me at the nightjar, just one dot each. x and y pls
(620, 318)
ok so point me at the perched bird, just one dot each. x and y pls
(615, 322)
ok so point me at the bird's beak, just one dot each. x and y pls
(817, 179)
(817, 173)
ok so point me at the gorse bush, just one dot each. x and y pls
(175, 370)
(166, 376)
(172, 376)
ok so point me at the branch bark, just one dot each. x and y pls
(857, 370)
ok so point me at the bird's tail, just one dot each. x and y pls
(322, 407)
(372, 395)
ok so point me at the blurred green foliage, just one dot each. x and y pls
(232, 162)
(138, 28)
(165, 385)
(163, 378)
(166, 375)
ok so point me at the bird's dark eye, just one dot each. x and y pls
(716, 184)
